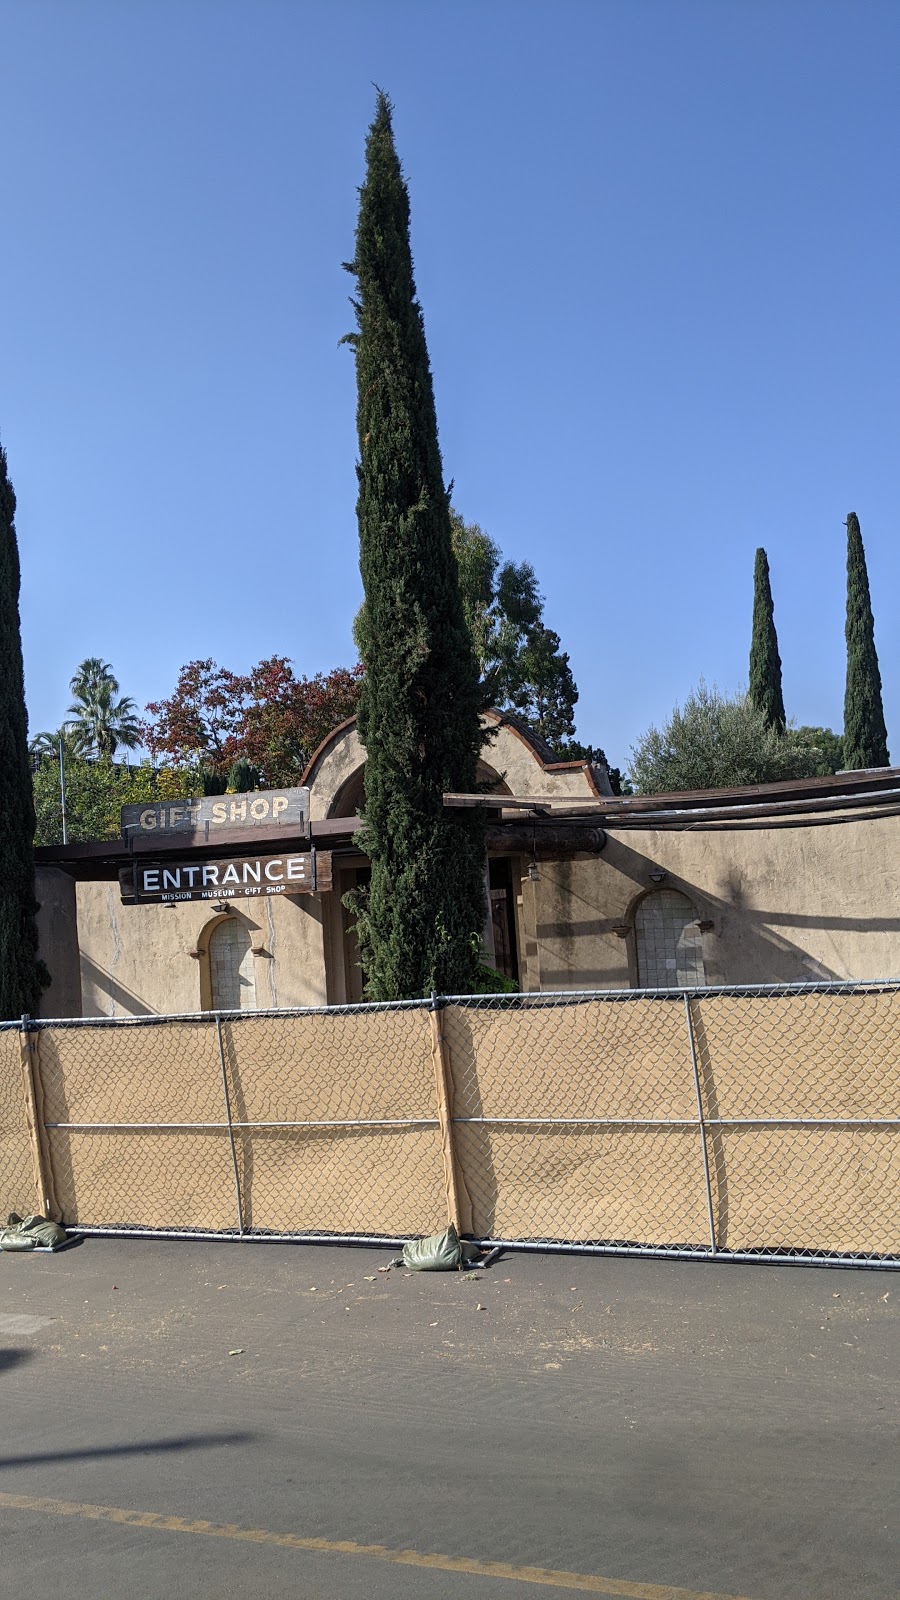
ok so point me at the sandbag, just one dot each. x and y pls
(31, 1233)
(440, 1252)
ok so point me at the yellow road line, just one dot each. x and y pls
(581, 1582)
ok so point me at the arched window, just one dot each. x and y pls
(232, 980)
(667, 940)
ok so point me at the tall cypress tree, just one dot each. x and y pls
(21, 974)
(865, 734)
(765, 662)
(420, 923)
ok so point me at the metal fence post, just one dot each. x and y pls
(443, 1083)
(234, 1162)
(37, 1133)
(702, 1125)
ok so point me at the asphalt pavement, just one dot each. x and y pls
(217, 1420)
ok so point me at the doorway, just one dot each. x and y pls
(503, 918)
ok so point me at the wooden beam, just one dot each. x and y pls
(512, 838)
(541, 805)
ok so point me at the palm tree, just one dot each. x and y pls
(102, 722)
(46, 745)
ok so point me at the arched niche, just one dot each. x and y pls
(225, 949)
(668, 945)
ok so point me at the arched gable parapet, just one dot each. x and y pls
(334, 773)
(514, 757)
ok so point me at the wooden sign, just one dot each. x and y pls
(202, 820)
(165, 882)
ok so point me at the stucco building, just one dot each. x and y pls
(781, 883)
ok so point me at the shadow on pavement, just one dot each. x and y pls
(187, 1441)
(13, 1358)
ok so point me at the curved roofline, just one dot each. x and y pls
(541, 750)
(538, 747)
(318, 753)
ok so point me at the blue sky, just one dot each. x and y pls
(658, 251)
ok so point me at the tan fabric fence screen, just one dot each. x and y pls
(698, 1122)
(19, 1171)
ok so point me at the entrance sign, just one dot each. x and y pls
(212, 814)
(164, 882)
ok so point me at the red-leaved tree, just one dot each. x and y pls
(269, 717)
(200, 721)
(286, 717)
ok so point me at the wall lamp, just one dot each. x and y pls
(657, 874)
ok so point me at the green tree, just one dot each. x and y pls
(547, 694)
(96, 790)
(520, 660)
(521, 663)
(765, 662)
(716, 741)
(522, 666)
(419, 925)
(47, 744)
(826, 746)
(865, 733)
(244, 777)
(102, 720)
(22, 973)
(477, 563)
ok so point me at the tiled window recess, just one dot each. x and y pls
(668, 943)
(231, 974)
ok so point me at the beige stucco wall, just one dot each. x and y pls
(58, 942)
(787, 904)
(150, 958)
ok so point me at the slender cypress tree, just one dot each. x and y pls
(419, 925)
(21, 973)
(765, 662)
(865, 734)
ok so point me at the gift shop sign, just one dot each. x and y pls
(165, 882)
(216, 816)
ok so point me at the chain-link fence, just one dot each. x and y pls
(726, 1122)
(699, 1122)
